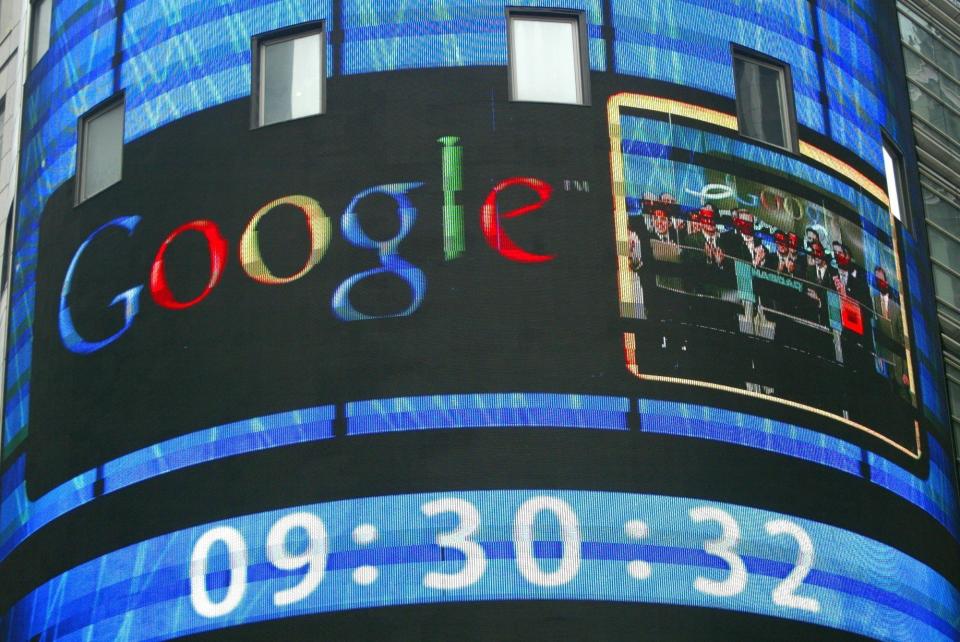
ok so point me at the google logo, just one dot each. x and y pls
(320, 229)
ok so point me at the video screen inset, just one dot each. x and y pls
(791, 275)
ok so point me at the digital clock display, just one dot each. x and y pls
(495, 545)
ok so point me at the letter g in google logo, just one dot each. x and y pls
(130, 298)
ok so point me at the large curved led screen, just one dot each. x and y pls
(404, 355)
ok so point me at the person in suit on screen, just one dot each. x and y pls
(886, 307)
(851, 280)
(707, 240)
(811, 237)
(740, 242)
(820, 274)
(851, 286)
(663, 231)
(888, 326)
(785, 259)
(678, 224)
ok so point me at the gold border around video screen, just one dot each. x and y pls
(691, 112)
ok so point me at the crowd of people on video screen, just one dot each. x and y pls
(706, 256)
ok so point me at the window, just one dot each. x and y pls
(941, 208)
(764, 99)
(3, 126)
(7, 253)
(39, 30)
(101, 149)
(896, 187)
(548, 53)
(289, 75)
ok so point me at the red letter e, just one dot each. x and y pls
(490, 219)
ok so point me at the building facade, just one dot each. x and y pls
(542, 319)
(931, 33)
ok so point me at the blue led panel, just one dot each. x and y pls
(20, 518)
(510, 545)
(185, 56)
(855, 79)
(400, 34)
(681, 42)
(493, 410)
(935, 494)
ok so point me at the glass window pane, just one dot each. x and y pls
(917, 68)
(950, 320)
(291, 78)
(546, 60)
(949, 324)
(943, 248)
(40, 32)
(927, 107)
(950, 93)
(891, 166)
(926, 75)
(102, 151)
(928, 39)
(947, 286)
(956, 440)
(910, 33)
(952, 373)
(953, 124)
(949, 331)
(953, 389)
(954, 394)
(3, 126)
(941, 211)
(7, 254)
(760, 101)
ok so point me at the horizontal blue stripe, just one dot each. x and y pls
(308, 417)
(487, 401)
(32, 516)
(742, 436)
(487, 418)
(484, 410)
(66, 14)
(703, 422)
(454, 26)
(212, 444)
(13, 476)
(917, 496)
(172, 456)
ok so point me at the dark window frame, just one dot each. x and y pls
(32, 44)
(3, 118)
(275, 36)
(790, 127)
(115, 101)
(5, 271)
(565, 15)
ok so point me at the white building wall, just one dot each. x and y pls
(14, 17)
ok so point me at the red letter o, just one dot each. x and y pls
(218, 258)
